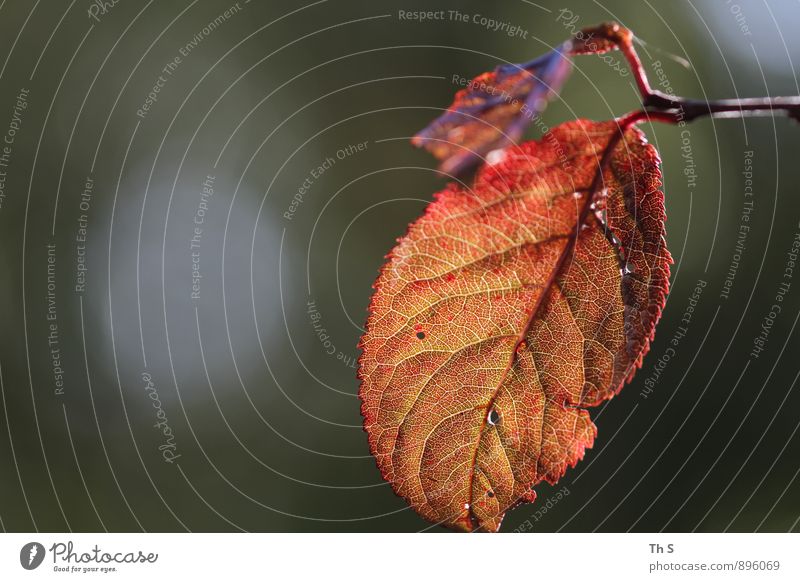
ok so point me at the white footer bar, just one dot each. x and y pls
(387, 557)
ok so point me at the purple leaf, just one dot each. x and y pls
(493, 110)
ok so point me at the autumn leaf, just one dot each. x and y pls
(506, 311)
(493, 110)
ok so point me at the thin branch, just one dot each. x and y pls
(669, 108)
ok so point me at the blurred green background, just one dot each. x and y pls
(254, 376)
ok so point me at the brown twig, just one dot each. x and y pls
(669, 108)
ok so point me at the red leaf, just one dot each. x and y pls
(498, 319)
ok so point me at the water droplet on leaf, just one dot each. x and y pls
(495, 157)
